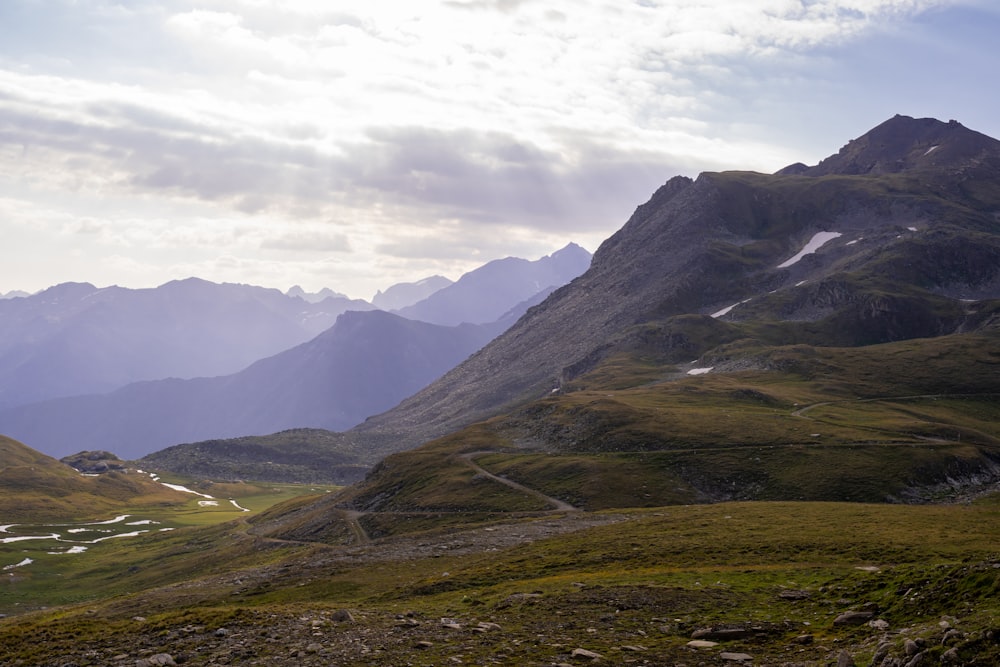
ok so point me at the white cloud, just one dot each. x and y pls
(395, 127)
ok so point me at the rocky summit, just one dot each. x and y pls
(893, 238)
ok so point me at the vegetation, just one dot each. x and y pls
(633, 586)
(301, 456)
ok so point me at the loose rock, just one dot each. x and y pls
(854, 618)
(720, 634)
(584, 653)
(951, 656)
(342, 616)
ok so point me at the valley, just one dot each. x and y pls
(37, 560)
(762, 428)
(671, 585)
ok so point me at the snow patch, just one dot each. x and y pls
(912, 229)
(818, 240)
(801, 283)
(720, 313)
(237, 506)
(26, 561)
(930, 150)
(114, 537)
(178, 487)
(208, 503)
(700, 371)
(144, 522)
(117, 519)
(852, 242)
(24, 538)
(72, 550)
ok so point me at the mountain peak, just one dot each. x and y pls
(903, 144)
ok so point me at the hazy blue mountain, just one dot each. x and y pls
(364, 364)
(402, 295)
(488, 292)
(314, 297)
(75, 338)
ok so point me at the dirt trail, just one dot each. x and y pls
(351, 517)
(557, 505)
(801, 412)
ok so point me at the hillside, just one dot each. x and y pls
(906, 254)
(581, 492)
(364, 364)
(35, 487)
(300, 455)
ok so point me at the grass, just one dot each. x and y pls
(651, 577)
(117, 566)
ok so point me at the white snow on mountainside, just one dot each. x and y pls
(818, 240)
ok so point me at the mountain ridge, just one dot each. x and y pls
(707, 244)
(75, 338)
(486, 293)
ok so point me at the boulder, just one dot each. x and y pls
(584, 653)
(854, 618)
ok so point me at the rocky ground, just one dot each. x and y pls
(583, 624)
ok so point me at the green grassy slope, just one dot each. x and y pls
(302, 455)
(35, 487)
(633, 587)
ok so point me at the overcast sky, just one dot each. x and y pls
(352, 144)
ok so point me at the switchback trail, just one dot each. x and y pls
(558, 505)
(801, 412)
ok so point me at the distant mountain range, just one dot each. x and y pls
(402, 295)
(364, 364)
(75, 338)
(484, 295)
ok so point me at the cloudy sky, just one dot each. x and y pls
(352, 144)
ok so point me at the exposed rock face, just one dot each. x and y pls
(94, 462)
(905, 144)
(916, 229)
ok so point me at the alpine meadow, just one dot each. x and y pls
(759, 426)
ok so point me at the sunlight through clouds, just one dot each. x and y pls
(354, 128)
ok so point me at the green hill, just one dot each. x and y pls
(35, 487)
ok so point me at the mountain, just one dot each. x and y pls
(35, 487)
(485, 294)
(402, 295)
(724, 268)
(314, 297)
(793, 337)
(75, 338)
(364, 364)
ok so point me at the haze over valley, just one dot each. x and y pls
(758, 425)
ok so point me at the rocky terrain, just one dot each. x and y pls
(580, 622)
